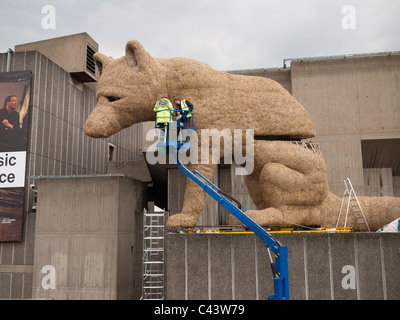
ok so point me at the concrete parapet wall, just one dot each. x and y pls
(88, 240)
(341, 266)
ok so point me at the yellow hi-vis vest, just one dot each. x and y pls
(184, 107)
(162, 109)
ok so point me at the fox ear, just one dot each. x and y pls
(137, 57)
(101, 61)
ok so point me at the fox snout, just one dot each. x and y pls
(102, 122)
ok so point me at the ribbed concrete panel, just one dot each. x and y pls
(89, 229)
(353, 266)
(350, 100)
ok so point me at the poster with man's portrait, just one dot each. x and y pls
(14, 118)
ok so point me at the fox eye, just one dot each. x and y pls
(112, 98)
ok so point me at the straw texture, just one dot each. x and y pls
(129, 87)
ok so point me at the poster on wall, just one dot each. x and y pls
(14, 118)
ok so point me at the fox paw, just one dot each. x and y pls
(182, 220)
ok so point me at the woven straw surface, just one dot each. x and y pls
(221, 100)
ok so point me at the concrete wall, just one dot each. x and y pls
(69, 52)
(90, 230)
(349, 100)
(281, 76)
(236, 266)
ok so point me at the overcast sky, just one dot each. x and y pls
(226, 34)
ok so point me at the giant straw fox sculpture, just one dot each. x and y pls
(288, 183)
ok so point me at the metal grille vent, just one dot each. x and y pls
(90, 65)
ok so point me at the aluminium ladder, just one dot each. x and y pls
(153, 255)
(356, 207)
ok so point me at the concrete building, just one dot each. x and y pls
(353, 102)
(73, 53)
(60, 102)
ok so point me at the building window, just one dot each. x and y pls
(111, 152)
(381, 164)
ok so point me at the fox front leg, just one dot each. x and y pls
(194, 199)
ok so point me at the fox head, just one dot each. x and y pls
(129, 87)
(127, 90)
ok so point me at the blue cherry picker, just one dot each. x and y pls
(279, 265)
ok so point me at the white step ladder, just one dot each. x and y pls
(153, 255)
(356, 207)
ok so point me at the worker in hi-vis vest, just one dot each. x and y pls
(163, 110)
(185, 107)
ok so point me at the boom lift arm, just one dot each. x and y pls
(280, 266)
